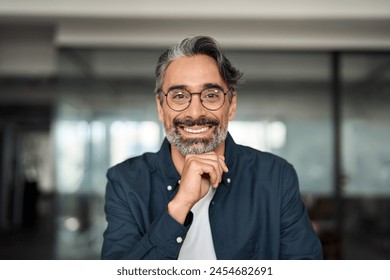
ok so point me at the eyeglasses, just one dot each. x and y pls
(211, 98)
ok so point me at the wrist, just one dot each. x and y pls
(179, 209)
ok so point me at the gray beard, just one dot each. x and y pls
(195, 145)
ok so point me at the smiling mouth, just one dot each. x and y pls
(196, 131)
(195, 127)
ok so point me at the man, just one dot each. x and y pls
(202, 196)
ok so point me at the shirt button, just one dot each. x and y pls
(169, 188)
(228, 180)
(179, 240)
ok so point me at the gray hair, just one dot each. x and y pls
(199, 45)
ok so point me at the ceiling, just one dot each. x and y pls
(245, 24)
(122, 39)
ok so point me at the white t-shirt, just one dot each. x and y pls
(198, 244)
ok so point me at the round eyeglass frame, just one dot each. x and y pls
(201, 101)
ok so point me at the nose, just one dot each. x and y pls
(196, 108)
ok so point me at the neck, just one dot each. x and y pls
(178, 158)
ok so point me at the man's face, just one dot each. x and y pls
(195, 130)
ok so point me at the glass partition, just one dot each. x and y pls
(366, 124)
(86, 146)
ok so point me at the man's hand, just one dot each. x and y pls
(199, 172)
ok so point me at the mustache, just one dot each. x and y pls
(202, 121)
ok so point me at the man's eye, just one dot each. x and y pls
(178, 95)
(212, 95)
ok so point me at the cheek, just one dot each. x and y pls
(225, 118)
(165, 114)
(167, 122)
(167, 119)
(225, 123)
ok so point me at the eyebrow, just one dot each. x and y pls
(176, 87)
(205, 86)
(212, 85)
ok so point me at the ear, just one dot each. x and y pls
(159, 109)
(232, 107)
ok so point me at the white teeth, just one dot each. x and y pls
(200, 130)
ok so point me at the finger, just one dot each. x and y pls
(207, 163)
(211, 159)
(214, 171)
(214, 177)
(220, 158)
(223, 164)
(213, 156)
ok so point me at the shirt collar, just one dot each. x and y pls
(231, 152)
(165, 162)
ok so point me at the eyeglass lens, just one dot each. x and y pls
(211, 98)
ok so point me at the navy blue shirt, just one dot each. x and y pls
(256, 212)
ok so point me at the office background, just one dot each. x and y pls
(76, 96)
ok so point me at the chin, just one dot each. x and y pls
(195, 146)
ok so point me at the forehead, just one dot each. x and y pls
(192, 72)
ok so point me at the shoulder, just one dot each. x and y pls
(252, 163)
(252, 158)
(265, 166)
(133, 168)
(250, 155)
(268, 172)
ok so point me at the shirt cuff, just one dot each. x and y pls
(168, 234)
